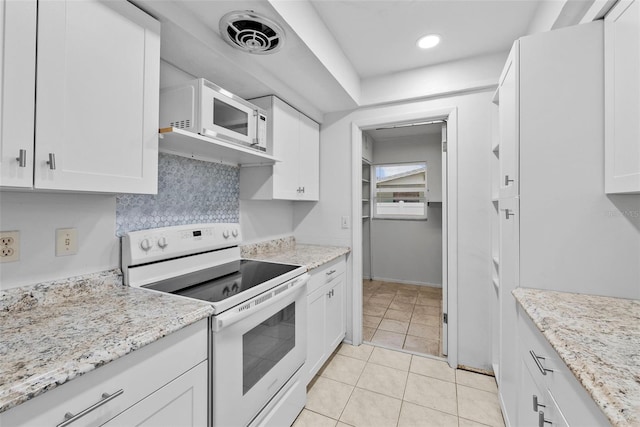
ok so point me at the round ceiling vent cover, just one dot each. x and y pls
(250, 32)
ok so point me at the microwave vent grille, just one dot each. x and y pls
(181, 124)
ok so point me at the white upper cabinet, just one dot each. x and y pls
(17, 91)
(96, 115)
(508, 123)
(293, 139)
(622, 98)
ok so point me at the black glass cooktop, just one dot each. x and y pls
(224, 281)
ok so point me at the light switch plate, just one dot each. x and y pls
(9, 246)
(66, 241)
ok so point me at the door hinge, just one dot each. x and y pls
(444, 146)
(445, 318)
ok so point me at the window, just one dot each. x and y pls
(400, 191)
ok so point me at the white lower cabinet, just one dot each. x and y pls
(326, 325)
(163, 383)
(548, 392)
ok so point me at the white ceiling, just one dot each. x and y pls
(335, 48)
(379, 37)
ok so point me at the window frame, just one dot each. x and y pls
(373, 197)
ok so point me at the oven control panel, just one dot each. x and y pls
(170, 242)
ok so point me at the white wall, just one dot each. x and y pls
(320, 223)
(265, 219)
(38, 215)
(410, 251)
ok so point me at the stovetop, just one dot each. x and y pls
(224, 281)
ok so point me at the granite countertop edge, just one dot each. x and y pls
(39, 296)
(599, 386)
(308, 255)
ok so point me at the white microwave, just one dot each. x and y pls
(202, 107)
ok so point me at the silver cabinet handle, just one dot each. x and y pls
(22, 158)
(507, 180)
(330, 272)
(536, 359)
(508, 213)
(303, 189)
(330, 293)
(541, 420)
(537, 405)
(52, 161)
(106, 397)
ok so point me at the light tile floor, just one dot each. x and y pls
(375, 387)
(402, 316)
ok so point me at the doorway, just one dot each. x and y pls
(407, 291)
(402, 234)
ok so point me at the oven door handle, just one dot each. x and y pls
(248, 308)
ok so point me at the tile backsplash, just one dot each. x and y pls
(189, 192)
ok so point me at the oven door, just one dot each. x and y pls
(256, 350)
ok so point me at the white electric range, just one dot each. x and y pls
(257, 340)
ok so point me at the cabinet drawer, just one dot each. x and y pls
(138, 374)
(325, 274)
(578, 407)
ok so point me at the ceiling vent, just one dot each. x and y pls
(250, 32)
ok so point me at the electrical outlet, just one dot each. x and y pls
(345, 222)
(9, 246)
(66, 241)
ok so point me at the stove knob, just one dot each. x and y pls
(145, 245)
(162, 242)
(225, 234)
(225, 291)
(235, 287)
(235, 232)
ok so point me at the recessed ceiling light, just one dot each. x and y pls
(428, 41)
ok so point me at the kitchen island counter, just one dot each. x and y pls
(598, 338)
(53, 332)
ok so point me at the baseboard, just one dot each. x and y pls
(408, 282)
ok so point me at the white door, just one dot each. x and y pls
(309, 160)
(97, 89)
(286, 132)
(17, 91)
(445, 311)
(508, 113)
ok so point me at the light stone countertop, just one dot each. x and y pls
(598, 338)
(55, 331)
(288, 251)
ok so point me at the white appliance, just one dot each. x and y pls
(202, 107)
(257, 341)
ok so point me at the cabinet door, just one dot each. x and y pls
(309, 159)
(509, 274)
(17, 91)
(316, 332)
(97, 90)
(622, 98)
(335, 313)
(527, 392)
(286, 131)
(182, 402)
(508, 116)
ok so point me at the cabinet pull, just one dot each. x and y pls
(22, 158)
(536, 359)
(541, 420)
(106, 397)
(303, 189)
(330, 272)
(52, 161)
(507, 180)
(330, 293)
(537, 405)
(508, 213)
